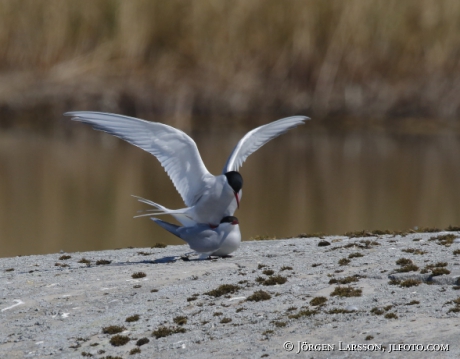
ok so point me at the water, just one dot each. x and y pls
(73, 193)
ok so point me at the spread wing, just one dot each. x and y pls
(259, 137)
(176, 151)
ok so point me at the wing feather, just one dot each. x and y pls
(258, 137)
(177, 152)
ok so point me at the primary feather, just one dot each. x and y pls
(176, 151)
(258, 137)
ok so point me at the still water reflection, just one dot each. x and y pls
(74, 194)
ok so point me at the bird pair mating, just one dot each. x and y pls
(208, 224)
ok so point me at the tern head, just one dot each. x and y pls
(235, 181)
(229, 219)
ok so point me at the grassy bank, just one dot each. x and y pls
(375, 58)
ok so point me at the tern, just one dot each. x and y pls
(208, 198)
(207, 241)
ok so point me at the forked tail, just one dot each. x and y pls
(179, 214)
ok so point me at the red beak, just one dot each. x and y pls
(237, 199)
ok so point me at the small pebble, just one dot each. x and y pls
(324, 244)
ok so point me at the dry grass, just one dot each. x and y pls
(337, 57)
(269, 32)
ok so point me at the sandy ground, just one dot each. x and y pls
(56, 307)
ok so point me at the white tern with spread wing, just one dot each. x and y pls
(208, 198)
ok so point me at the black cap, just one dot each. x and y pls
(235, 180)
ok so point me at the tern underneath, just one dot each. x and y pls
(208, 198)
(207, 241)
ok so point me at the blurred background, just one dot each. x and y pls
(379, 78)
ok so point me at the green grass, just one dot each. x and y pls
(444, 240)
(223, 289)
(132, 318)
(303, 313)
(346, 292)
(258, 296)
(346, 280)
(410, 283)
(318, 301)
(113, 329)
(162, 331)
(119, 340)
